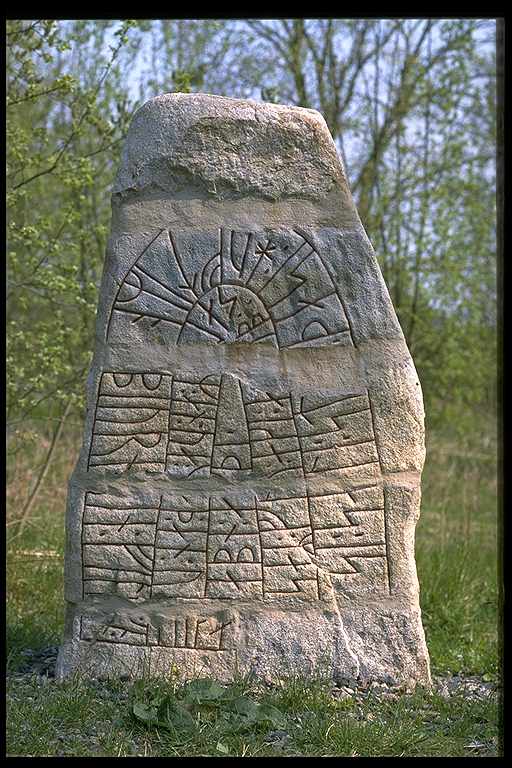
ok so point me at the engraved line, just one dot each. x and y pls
(361, 488)
(350, 546)
(198, 623)
(100, 577)
(209, 286)
(142, 564)
(286, 262)
(177, 258)
(301, 451)
(315, 338)
(258, 325)
(311, 525)
(133, 421)
(333, 281)
(102, 506)
(248, 280)
(343, 466)
(129, 434)
(386, 539)
(222, 628)
(122, 463)
(331, 447)
(187, 321)
(115, 580)
(127, 442)
(146, 314)
(82, 545)
(295, 277)
(142, 397)
(206, 546)
(124, 278)
(154, 295)
(165, 287)
(244, 258)
(212, 315)
(215, 427)
(315, 303)
(94, 421)
(335, 402)
(221, 253)
(373, 429)
(267, 420)
(154, 547)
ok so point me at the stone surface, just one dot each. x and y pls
(249, 484)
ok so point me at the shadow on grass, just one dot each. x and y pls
(35, 606)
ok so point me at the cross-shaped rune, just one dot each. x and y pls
(265, 250)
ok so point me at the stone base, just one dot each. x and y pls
(379, 644)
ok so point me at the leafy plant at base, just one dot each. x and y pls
(180, 710)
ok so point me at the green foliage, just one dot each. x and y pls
(456, 551)
(62, 142)
(184, 708)
(181, 82)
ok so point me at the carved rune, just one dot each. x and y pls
(274, 290)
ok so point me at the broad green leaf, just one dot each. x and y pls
(204, 690)
(270, 714)
(253, 713)
(246, 707)
(145, 712)
(173, 716)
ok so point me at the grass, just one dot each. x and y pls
(457, 569)
(456, 555)
(83, 718)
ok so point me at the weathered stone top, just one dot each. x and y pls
(212, 146)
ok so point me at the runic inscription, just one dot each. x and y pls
(192, 424)
(216, 425)
(131, 420)
(197, 546)
(252, 287)
(205, 633)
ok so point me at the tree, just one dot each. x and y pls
(63, 137)
(411, 106)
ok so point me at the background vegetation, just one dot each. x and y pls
(411, 105)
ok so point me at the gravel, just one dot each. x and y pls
(42, 662)
(469, 686)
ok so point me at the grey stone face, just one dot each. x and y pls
(249, 484)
